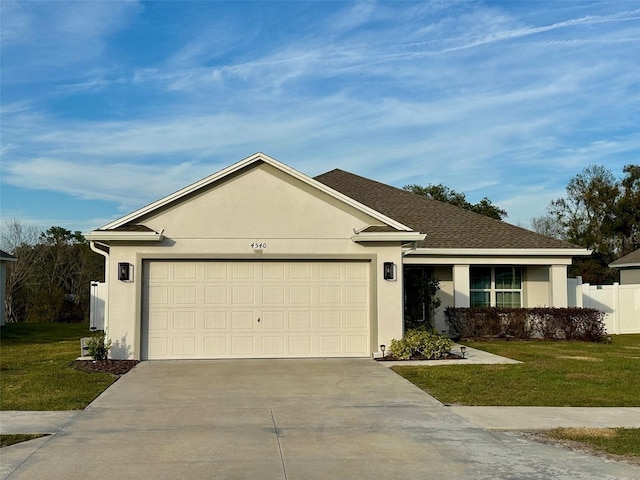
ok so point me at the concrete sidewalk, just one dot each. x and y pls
(12, 422)
(545, 418)
(472, 356)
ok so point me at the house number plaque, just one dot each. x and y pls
(258, 245)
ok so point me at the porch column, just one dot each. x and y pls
(558, 286)
(461, 285)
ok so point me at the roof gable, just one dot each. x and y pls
(446, 226)
(249, 162)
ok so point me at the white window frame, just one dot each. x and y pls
(493, 291)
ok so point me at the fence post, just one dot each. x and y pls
(616, 307)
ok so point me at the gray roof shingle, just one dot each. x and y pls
(630, 259)
(446, 226)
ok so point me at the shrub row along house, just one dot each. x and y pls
(260, 260)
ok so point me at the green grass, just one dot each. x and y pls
(7, 440)
(36, 370)
(553, 374)
(615, 441)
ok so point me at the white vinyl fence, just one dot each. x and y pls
(97, 298)
(621, 303)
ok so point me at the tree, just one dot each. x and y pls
(627, 213)
(599, 212)
(50, 280)
(19, 240)
(445, 194)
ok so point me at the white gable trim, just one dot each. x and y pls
(256, 157)
(388, 237)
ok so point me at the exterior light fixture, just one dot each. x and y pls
(383, 348)
(124, 272)
(463, 350)
(389, 271)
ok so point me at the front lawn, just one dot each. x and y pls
(36, 370)
(554, 374)
(616, 441)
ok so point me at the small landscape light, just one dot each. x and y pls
(383, 348)
(463, 350)
(608, 338)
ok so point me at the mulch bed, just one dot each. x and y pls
(390, 358)
(115, 367)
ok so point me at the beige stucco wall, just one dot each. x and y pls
(630, 276)
(536, 286)
(263, 204)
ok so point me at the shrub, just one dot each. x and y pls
(420, 342)
(523, 323)
(98, 347)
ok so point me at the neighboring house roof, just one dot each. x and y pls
(446, 226)
(631, 260)
(7, 257)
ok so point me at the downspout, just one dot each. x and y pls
(105, 254)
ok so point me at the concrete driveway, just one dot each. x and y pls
(289, 419)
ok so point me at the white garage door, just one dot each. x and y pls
(217, 309)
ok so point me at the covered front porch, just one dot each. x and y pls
(431, 284)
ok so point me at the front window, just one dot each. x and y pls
(496, 287)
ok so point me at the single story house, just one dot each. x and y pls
(262, 261)
(5, 258)
(629, 266)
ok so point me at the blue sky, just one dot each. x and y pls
(107, 106)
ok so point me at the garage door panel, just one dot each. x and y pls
(330, 344)
(243, 295)
(355, 343)
(158, 295)
(210, 309)
(300, 346)
(273, 345)
(184, 295)
(299, 320)
(216, 295)
(215, 346)
(273, 320)
(242, 345)
(184, 346)
(184, 321)
(243, 320)
(215, 321)
(273, 295)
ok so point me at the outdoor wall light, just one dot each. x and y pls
(463, 350)
(124, 271)
(389, 271)
(383, 348)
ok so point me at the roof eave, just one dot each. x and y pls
(624, 265)
(110, 235)
(503, 252)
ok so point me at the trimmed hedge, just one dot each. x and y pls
(585, 324)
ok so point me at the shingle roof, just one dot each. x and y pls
(446, 226)
(7, 256)
(631, 259)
